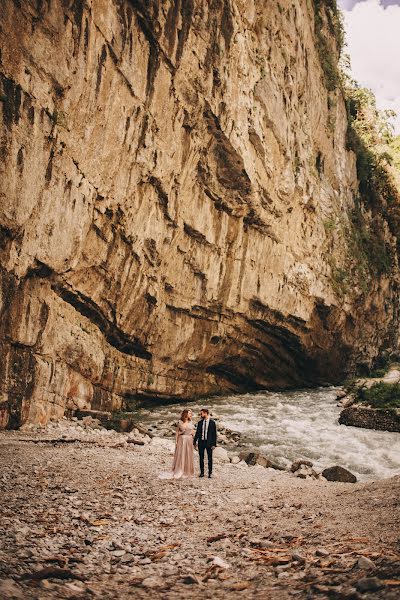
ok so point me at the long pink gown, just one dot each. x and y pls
(182, 466)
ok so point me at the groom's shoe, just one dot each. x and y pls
(209, 476)
(201, 475)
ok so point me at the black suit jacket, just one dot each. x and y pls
(211, 433)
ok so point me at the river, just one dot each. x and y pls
(298, 424)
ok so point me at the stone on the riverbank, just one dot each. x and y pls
(235, 460)
(254, 457)
(143, 430)
(221, 455)
(298, 463)
(298, 557)
(220, 562)
(338, 473)
(369, 584)
(153, 582)
(132, 440)
(347, 401)
(304, 472)
(192, 579)
(370, 418)
(302, 468)
(365, 563)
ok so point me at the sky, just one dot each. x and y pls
(373, 39)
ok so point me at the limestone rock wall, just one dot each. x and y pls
(168, 170)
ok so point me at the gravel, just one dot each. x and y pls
(90, 518)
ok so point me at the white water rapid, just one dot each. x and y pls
(299, 424)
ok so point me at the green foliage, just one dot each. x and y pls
(377, 373)
(368, 135)
(350, 385)
(329, 224)
(339, 279)
(60, 118)
(329, 34)
(380, 395)
(394, 152)
(368, 245)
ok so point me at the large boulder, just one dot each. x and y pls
(370, 418)
(338, 473)
(221, 455)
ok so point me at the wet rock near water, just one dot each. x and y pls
(346, 400)
(255, 457)
(297, 464)
(338, 473)
(303, 469)
(365, 409)
(371, 418)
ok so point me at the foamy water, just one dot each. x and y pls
(300, 424)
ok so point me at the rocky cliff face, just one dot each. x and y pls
(176, 200)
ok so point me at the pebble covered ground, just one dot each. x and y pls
(84, 515)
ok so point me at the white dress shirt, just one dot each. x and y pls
(205, 429)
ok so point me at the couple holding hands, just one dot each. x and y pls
(204, 438)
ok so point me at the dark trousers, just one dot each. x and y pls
(202, 448)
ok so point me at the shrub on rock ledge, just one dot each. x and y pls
(380, 395)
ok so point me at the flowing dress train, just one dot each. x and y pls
(183, 463)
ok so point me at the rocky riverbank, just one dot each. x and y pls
(84, 515)
(373, 403)
(370, 418)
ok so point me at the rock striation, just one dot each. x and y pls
(175, 206)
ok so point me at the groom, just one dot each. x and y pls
(206, 436)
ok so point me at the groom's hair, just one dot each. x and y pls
(205, 410)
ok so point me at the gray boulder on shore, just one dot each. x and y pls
(338, 473)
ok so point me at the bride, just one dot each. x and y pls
(182, 466)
